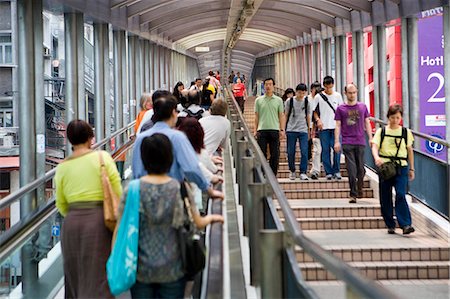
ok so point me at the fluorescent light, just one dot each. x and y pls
(201, 49)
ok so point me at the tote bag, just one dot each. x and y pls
(111, 200)
(121, 267)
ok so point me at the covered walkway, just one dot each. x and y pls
(281, 238)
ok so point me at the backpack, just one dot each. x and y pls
(291, 106)
(403, 136)
(197, 115)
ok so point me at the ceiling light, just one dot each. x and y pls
(201, 49)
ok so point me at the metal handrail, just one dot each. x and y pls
(363, 286)
(8, 200)
(418, 134)
(26, 227)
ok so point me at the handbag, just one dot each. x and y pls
(121, 266)
(190, 241)
(110, 199)
(387, 170)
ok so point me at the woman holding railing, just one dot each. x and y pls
(85, 240)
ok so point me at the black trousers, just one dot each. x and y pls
(241, 103)
(354, 158)
(270, 138)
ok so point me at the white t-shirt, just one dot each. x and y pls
(194, 109)
(217, 130)
(147, 116)
(326, 113)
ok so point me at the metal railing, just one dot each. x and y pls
(37, 222)
(272, 260)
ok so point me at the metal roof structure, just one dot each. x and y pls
(238, 31)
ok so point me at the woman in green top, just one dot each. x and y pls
(395, 145)
(85, 241)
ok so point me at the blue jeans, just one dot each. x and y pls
(291, 146)
(399, 182)
(173, 289)
(327, 143)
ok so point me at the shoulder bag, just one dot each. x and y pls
(121, 266)
(110, 199)
(190, 241)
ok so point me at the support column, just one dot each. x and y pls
(132, 75)
(447, 82)
(120, 80)
(354, 59)
(162, 70)
(314, 63)
(307, 53)
(167, 68)
(338, 65)
(31, 131)
(137, 72)
(343, 60)
(74, 55)
(405, 74)
(413, 73)
(156, 69)
(101, 71)
(360, 65)
(151, 66)
(382, 75)
(146, 85)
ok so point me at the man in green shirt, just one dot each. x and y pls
(270, 123)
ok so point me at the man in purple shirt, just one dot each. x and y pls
(351, 119)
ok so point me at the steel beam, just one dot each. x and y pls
(413, 73)
(382, 75)
(360, 65)
(132, 75)
(101, 70)
(405, 74)
(74, 63)
(120, 81)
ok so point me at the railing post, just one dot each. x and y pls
(246, 179)
(271, 250)
(238, 154)
(255, 223)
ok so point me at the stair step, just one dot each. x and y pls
(365, 207)
(322, 194)
(386, 254)
(285, 166)
(336, 223)
(288, 184)
(384, 270)
(284, 173)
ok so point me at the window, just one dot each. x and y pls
(5, 181)
(369, 39)
(6, 117)
(5, 49)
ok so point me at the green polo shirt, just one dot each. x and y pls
(268, 109)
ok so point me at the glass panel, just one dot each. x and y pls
(1, 54)
(8, 54)
(5, 39)
(8, 119)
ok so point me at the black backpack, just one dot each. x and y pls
(197, 115)
(291, 106)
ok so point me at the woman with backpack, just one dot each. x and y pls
(393, 153)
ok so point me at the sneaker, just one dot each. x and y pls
(338, 176)
(315, 176)
(292, 176)
(303, 177)
(329, 177)
(352, 200)
(391, 230)
(408, 229)
(360, 194)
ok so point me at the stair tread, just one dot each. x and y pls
(321, 180)
(337, 218)
(332, 203)
(372, 238)
(382, 264)
(324, 190)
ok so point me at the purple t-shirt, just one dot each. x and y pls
(352, 123)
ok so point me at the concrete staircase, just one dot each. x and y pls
(413, 266)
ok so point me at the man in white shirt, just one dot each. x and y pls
(197, 85)
(327, 102)
(216, 126)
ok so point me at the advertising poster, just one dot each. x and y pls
(431, 81)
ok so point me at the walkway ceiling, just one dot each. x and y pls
(238, 31)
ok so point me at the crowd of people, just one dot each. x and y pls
(326, 126)
(178, 136)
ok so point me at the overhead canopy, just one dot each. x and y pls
(259, 25)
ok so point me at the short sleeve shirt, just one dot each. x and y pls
(297, 118)
(268, 109)
(389, 147)
(352, 119)
(326, 113)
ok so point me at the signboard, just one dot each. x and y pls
(431, 81)
(55, 230)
